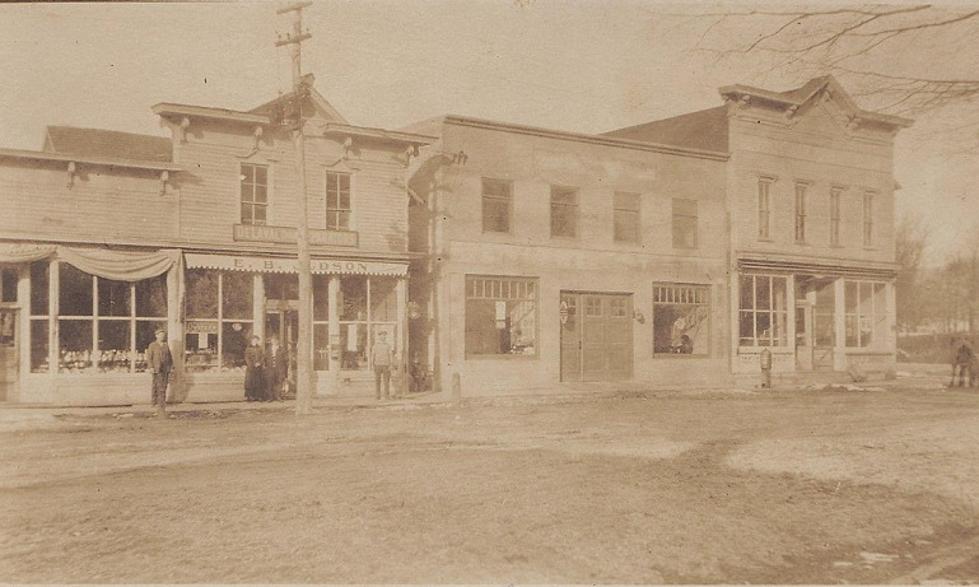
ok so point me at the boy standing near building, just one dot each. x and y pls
(382, 357)
(159, 361)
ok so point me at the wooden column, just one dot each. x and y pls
(333, 291)
(258, 307)
(179, 387)
(23, 329)
(839, 321)
(401, 294)
(54, 290)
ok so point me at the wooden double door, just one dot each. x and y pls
(596, 336)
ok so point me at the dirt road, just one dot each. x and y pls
(801, 487)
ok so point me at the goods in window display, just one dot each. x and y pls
(74, 361)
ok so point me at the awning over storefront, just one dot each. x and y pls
(110, 264)
(868, 271)
(280, 265)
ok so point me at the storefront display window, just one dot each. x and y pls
(681, 319)
(865, 314)
(763, 314)
(39, 345)
(74, 345)
(321, 347)
(220, 318)
(39, 289)
(384, 300)
(501, 316)
(8, 285)
(115, 345)
(75, 292)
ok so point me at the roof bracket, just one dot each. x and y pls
(182, 129)
(71, 174)
(164, 179)
(258, 136)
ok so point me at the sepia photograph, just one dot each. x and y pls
(489, 292)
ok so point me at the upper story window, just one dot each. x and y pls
(254, 193)
(684, 223)
(764, 208)
(800, 212)
(338, 208)
(497, 200)
(868, 219)
(625, 212)
(834, 216)
(564, 212)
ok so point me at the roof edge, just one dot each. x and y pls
(584, 137)
(104, 161)
(172, 109)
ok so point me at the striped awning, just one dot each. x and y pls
(290, 265)
(808, 268)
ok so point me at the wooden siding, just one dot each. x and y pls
(103, 205)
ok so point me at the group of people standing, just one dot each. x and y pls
(266, 371)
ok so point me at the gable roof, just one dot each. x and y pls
(100, 143)
(704, 129)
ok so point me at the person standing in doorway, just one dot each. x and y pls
(254, 365)
(382, 357)
(160, 362)
(276, 370)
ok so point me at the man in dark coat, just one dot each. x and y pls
(276, 370)
(254, 365)
(159, 361)
(963, 364)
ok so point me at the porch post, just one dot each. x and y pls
(401, 295)
(890, 300)
(790, 317)
(23, 327)
(333, 291)
(258, 306)
(54, 291)
(839, 322)
(179, 387)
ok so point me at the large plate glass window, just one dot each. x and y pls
(681, 319)
(763, 314)
(501, 316)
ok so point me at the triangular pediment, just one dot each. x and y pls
(315, 106)
(821, 116)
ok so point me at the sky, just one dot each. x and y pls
(576, 65)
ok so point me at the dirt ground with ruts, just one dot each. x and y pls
(793, 487)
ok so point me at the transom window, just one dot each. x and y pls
(626, 217)
(254, 193)
(762, 312)
(497, 196)
(501, 316)
(338, 209)
(564, 212)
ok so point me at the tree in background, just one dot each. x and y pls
(910, 242)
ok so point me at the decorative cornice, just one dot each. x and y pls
(99, 161)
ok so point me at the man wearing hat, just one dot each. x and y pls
(160, 362)
(382, 357)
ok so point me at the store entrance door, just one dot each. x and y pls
(596, 337)
(8, 352)
(282, 324)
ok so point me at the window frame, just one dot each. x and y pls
(338, 210)
(801, 211)
(764, 219)
(703, 288)
(867, 223)
(618, 208)
(572, 208)
(835, 215)
(253, 204)
(858, 315)
(537, 316)
(675, 216)
(754, 310)
(508, 200)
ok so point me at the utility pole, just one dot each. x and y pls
(304, 377)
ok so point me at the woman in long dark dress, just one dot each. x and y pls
(254, 379)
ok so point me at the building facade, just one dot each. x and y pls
(499, 257)
(108, 236)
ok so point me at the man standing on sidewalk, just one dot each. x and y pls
(382, 357)
(159, 361)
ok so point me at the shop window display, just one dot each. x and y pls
(8, 285)
(39, 289)
(75, 295)
(219, 309)
(681, 319)
(501, 316)
(39, 345)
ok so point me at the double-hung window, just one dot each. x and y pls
(684, 223)
(834, 216)
(338, 209)
(868, 219)
(625, 210)
(254, 193)
(497, 197)
(564, 212)
(764, 208)
(800, 212)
